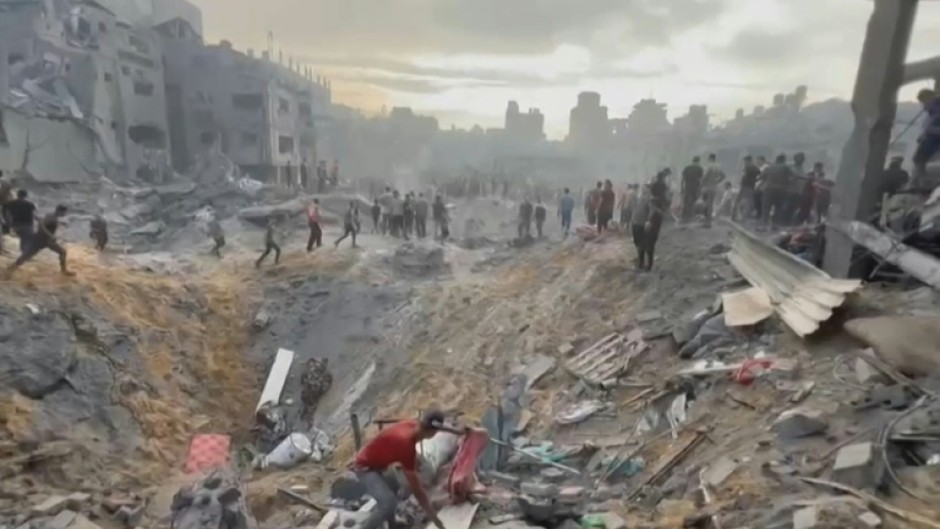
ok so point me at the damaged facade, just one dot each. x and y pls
(78, 63)
(85, 82)
(260, 113)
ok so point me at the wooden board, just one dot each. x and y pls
(608, 358)
(277, 377)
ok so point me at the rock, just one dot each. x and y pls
(52, 506)
(857, 466)
(130, 516)
(565, 349)
(648, 316)
(80, 522)
(865, 373)
(552, 475)
(536, 510)
(800, 422)
(150, 229)
(215, 501)
(719, 471)
(503, 478)
(37, 352)
(571, 495)
(77, 500)
(870, 519)
(539, 490)
(908, 343)
(262, 319)
(893, 397)
(805, 518)
(61, 520)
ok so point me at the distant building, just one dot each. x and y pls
(261, 113)
(525, 127)
(80, 61)
(588, 127)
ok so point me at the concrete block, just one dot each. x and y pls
(857, 466)
(130, 516)
(719, 471)
(81, 522)
(806, 518)
(866, 374)
(539, 490)
(50, 507)
(61, 520)
(571, 495)
(77, 500)
(503, 478)
(565, 349)
(553, 475)
(800, 422)
(870, 519)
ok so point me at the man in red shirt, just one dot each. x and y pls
(396, 444)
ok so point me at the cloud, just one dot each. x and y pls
(758, 47)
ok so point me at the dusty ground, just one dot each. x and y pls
(150, 349)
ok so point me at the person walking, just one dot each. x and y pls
(540, 215)
(691, 188)
(43, 239)
(269, 245)
(313, 221)
(565, 210)
(350, 224)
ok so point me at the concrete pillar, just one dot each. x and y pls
(874, 103)
(4, 72)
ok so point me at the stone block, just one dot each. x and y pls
(719, 471)
(539, 490)
(571, 495)
(50, 507)
(61, 520)
(553, 475)
(866, 374)
(870, 519)
(806, 518)
(77, 500)
(130, 516)
(800, 422)
(857, 466)
(503, 478)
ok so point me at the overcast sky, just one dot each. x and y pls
(462, 60)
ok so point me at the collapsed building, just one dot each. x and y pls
(130, 90)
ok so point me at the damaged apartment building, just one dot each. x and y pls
(128, 89)
(260, 113)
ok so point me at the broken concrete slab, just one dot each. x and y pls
(857, 466)
(870, 519)
(806, 518)
(77, 500)
(536, 368)
(539, 490)
(457, 516)
(51, 506)
(81, 522)
(553, 475)
(865, 373)
(571, 495)
(131, 516)
(719, 471)
(907, 343)
(277, 377)
(509, 480)
(61, 520)
(918, 264)
(800, 422)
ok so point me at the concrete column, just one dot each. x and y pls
(874, 103)
(4, 71)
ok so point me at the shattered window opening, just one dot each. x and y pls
(249, 139)
(283, 105)
(247, 101)
(148, 136)
(285, 144)
(143, 88)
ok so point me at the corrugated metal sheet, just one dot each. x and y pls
(801, 294)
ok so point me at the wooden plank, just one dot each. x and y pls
(277, 377)
(457, 516)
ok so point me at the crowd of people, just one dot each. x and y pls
(36, 232)
(407, 216)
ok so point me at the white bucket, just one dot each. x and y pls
(294, 449)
